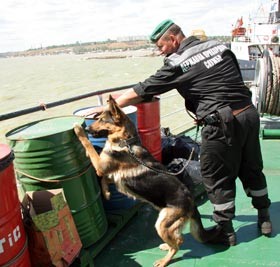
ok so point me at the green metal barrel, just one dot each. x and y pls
(48, 155)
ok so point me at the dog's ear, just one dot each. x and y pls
(112, 105)
(115, 110)
(111, 98)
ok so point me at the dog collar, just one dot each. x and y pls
(129, 141)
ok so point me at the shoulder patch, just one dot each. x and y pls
(208, 52)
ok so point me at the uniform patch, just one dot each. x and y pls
(209, 57)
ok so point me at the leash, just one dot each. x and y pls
(197, 124)
(126, 144)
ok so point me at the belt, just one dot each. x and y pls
(211, 119)
(238, 111)
(214, 118)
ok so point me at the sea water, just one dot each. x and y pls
(37, 80)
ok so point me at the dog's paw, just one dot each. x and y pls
(160, 263)
(77, 126)
(164, 247)
(78, 129)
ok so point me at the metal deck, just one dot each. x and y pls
(137, 243)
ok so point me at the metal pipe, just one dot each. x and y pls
(60, 102)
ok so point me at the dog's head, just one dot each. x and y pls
(112, 122)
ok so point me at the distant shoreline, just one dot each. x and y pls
(99, 55)
(125, 48)
(122, 54)
(108, 49)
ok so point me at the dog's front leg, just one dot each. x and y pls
(90, 151)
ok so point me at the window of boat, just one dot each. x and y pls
(254, 52)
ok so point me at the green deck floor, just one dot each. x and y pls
(137, 243)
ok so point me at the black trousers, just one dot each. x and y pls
(231, 149)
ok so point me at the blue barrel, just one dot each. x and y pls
(97, 142)
(118, 201)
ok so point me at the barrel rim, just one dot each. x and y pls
(5, 152)
(75, 113)
(9, 134)
(127, 110)
(18, 256)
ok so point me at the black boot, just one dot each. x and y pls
(226, 234)
(264, 222)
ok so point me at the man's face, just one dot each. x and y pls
(167, 45)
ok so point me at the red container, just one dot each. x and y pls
(13, 242)
(148, 119)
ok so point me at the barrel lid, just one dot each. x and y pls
(127, 110)
(82, 111)
(43, 128)
(4, 151)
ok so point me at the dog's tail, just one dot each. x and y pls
(197, 230)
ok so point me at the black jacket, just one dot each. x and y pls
(206, 74)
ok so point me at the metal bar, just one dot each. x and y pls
(168, 95)
(172, 113)
(247, 68)
(59, 103)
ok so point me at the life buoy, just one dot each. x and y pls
(265, 37)
(275, 39)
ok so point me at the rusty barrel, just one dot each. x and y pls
(148, 117)
(117, 201)
(48, 155)
(13, 241)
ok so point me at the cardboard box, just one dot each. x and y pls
(53, 239)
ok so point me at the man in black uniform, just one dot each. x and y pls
(207, 75)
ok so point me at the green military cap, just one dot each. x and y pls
(160, 30)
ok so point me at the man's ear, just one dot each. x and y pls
(174, 39)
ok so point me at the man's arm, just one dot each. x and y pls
(129, 97)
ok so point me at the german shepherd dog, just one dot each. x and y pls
(137, 174)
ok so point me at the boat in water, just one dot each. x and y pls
(257, 49)
(262, 32)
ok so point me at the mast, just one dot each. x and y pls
(274, 13)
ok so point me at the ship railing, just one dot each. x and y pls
(172, 109)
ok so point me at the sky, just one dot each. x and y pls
(26, 24)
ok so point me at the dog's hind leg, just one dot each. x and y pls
(169, 227)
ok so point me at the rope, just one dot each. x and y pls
(269, 88)
(277, 107)
(54, 181)
(270, 97)
(276, 86)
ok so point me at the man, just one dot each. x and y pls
(208, 77)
